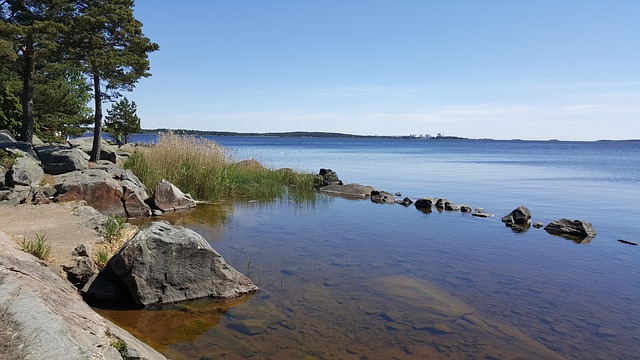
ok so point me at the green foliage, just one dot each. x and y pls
(201, 168)
(60, 102)
(7, 159)
(10, 110)
(102, 258)
(112, 229)
(40, 247)
(119, 345)
(122, 119)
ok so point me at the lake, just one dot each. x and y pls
(350, 279)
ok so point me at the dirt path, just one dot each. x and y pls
(62, 224)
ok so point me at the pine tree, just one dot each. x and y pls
(32, 28)
(122, 119)
(108, 41)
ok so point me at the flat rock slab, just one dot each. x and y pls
(353, 191)
(47, 317)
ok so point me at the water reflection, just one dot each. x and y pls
(160, 326)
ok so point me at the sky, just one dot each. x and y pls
(502, 69)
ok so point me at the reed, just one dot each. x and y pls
(205, 170)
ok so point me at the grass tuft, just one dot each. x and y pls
(40, 247)
(204, 169)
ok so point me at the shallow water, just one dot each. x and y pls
(352, 279)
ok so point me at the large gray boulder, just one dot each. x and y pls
(107, 152)
(26, 170)
(326, 177)
(117, 192)
(6, 137)
(164, 264)
(58, 160)
(572, 229)
(519, 216)
(167, 197)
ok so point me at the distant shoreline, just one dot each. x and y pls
(320, 134)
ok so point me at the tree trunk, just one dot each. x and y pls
(97, 129)
(28, 54)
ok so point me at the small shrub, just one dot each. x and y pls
(40, 247)
(119, 345)
(112, 229)
(7, 159)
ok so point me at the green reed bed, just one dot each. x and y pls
(204, 169)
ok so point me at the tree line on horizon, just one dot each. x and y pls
(57, 55)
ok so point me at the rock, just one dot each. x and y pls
(167, 197)
(164, 264)
(520, 215)
(40, 198)
(250, 164)
(19, 194)
(26, 170)
(482, 215)
(451, 207)
(538, 225)
(465, 208)
(49, 318)
(120, 192)
(81, 271)
(85, 144)
(405, 202)
(58, 160)
(326, 177)
(382, 197)
(6, 137)
(348, 190)
(35, 141)
(440, 203)
(423, 204)
(97, 187)
(82, 250)
(572, 229)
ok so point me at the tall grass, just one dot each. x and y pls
(204, 169)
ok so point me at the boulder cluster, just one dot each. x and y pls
(519, 220)
(42, 173)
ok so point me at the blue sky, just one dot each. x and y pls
(504, 69)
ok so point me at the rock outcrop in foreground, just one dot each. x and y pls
(164, 264)
(45, 318)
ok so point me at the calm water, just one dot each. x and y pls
(344, 279)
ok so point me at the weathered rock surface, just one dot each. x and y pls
(58, 160)
(6, 137)
(449, 206)
(423, 204)
(49, 319)
(440, 203)
(382, 197)
(326, 177)
(250, 164)
(164, 264)
(116, 192)
(520, 215)
(356, 191)
(19, 194)
(167, 197)
(573, 229)
(26, 170)
(85, 144)
(404, 202)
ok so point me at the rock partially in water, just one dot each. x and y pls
(167, 197)
(423, 204)
(326, 177)
(521, 215)
(353, 191)
(404, 202)
(538, 225)
(164, 264)
(576, 230)
(382, 197)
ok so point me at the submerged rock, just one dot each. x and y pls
(348, 190)
(164, 264)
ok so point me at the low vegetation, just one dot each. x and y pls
(204, 169)
(116, 233)
(39, 247)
